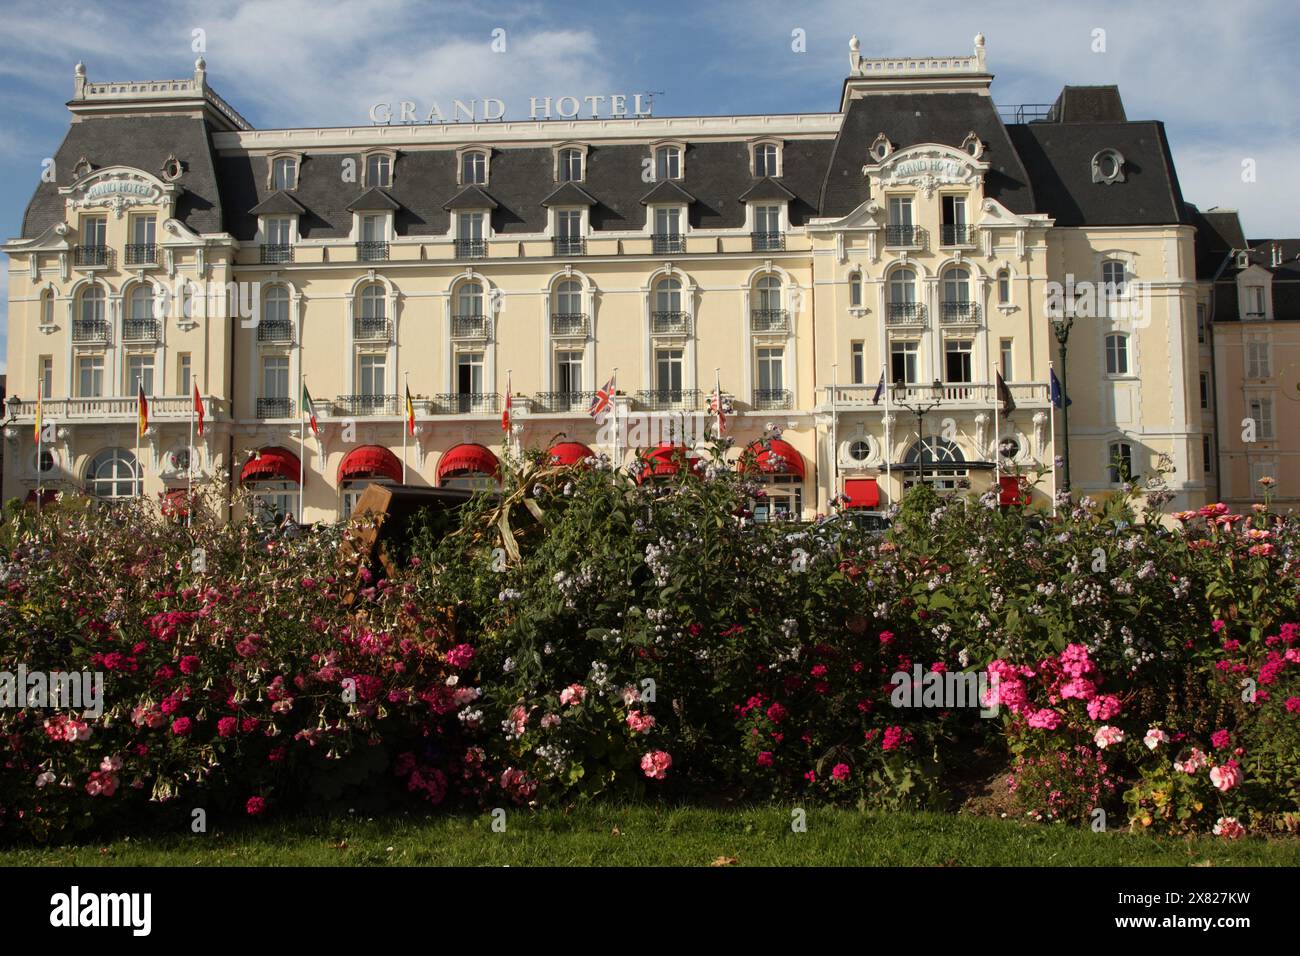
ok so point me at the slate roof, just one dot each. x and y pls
(667, 192)
(372, 199)
(569, 194)
(766, 189)
(1088, 104)
(279, 203)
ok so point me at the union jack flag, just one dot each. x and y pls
(602, 400)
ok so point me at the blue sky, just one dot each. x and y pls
(1225, 83)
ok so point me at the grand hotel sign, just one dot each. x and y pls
(492, 109)
(118, 188)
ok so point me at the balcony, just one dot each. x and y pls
(466, 403)
(568, 324)
(372, 252)
(90, 331)
(274, 407)
(366, 404)
(569, 246)
(765, 398)
(119, 409)
(907, 236)
(670, 323)
(674, 399)
(142, 254)
(92, 257)
(769, 320)
(274, 330)
(559, 402)
(951, 395)
(767, 241)
(471, 248)
(276, 253)
(141, 330)
(959, 313)
(670, 243)
(956, 234)
(905, 314)
(371, 329)
(470, 327)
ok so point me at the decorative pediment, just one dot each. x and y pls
(119, 188)
(925, 167)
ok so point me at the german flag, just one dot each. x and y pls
(36, 433)
(410, 412)
(142, 410)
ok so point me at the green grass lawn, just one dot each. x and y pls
(656, 835)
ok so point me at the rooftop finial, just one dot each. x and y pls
(979, 40)
(79, 69)
(201, 65)
(854, 46)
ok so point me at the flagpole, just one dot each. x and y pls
(717, 390)
(189, 469)
(889, 449)
(302, 448)
(835, 435)
(613, 401)
(1051, 415)
(40, 454)
(997, 432)
(406, 422)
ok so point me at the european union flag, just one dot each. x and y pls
(1058, 393)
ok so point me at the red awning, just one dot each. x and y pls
(370, 461)
(664, 460)
(861, 492)
(1013, 490)
(569, 453)
(774, 448)
(271, 464)
(175, 503)
(467, 459)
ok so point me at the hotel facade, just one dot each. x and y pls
(919, 236)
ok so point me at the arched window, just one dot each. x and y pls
(284, 173)
(1004, 286)
(47, 308)
(113, 473)
(767, 293)
(275, 308)
(1119, 461)
(469, 299)
(668, 162)
(938, 462)
(765, 156)
(668, 295)
(903, 307)
(141, 308)
(379, 170)
(1114, 277)
(855, 290)
(473, 169)
(570, 165)
(92, 304)
(374, 301)
(1117, 354)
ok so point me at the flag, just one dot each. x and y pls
(410, 412)
(880, 390)
(309, 409)
(505, 413)
(198, 407)
(715, 406)
(142, 409)
(1059, 398)
(601, 400)
(36, 433)
(1004, 396)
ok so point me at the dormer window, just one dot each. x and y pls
(880, 148)
(473, 168)
(379, 170)
(767, 160)
(569, 165)
(284, 172)
(1108, 167)
(668, 163)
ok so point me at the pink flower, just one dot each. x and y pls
(1194, 762)
(765, 758)
(840, 772)
(1104, 707)
(1155, 737)
(1225, 776)
(189, 664)
(1079, 689)
(1229, 828)
(1045, 719)
(550, 720)
(1107, 735)
(255, 806)
(226, 726)
(1221, 739)
(776, 713)
(460, 656)
(639, 722)
(655, 764)
(894, 737)
(1292, 705)
(573, 694)
(182, 726)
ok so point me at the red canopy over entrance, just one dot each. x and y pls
(767, 454)
(469, 458)
(862, 492)
(370, 461)
(271, 464)
(664, 461)
(569, 453)
(1013, 490)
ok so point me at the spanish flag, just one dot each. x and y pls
(198, 407)
(410, 412)
(142, 410)
(505, 414)
(36, 433)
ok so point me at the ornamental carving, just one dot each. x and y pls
(118, 189)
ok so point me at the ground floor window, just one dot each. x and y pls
(274, 500)
(114, 473)
(783, 501)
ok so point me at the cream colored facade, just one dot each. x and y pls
(799, 328)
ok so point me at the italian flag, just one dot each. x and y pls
(309, 409)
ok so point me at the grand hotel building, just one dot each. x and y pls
(911, 233)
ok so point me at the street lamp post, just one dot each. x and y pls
(1061, 325)
(920, 411)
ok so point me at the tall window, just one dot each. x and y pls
(469, 299)
(857, 360)
(113, 473)
(1114, 278)
(956, 292)
(1255, 298)
(184, 369)
(284, 173)
(855, 290)
(668, 221)
(771, 372)
(90, 376)
(904, 361)
(275, 376)
(1200, 322)
(1117, 354)
(141, 303)
(374, 228)
(668, 295)
(900, 211)
(1119, 461)
(902, 294)
(279, 231)
(469, 225)
(1004, 287)
(1261, 410)
(144, 231)
(568, 224)
(668, 373)
(275, 307)
(45, 372)
(94, 231)
(469, 373)
(139, 372)
(570, 165)
(568, 297)
(668, 163)
(568, 371)
(1005, 354)
(1257, 360)
(374, 302)
(954, 231)
(767, 219)
(765, 160)
(47, 308)
(379, 170)
(372, 375)
(768, 294)
(92, 304)
(473, 168)
(1207, 454)
(957, 360)
(1205, 390)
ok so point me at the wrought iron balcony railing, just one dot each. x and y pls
(274, 407)
(956, 234)
(466, 403)
(670, 323)
(92, 257)
(769, 320)
(675, 399)
(905, 313)
(90, 330)
(904, 236)
(141, 330)
(767, 241)
(570, 245)
(370, 328)
(568, 323)
(367, 404)
(372, 251)
(668, 243)
(563, 401)
(471, 248)
(470, 326)
(275, 253)
(274, 330)
(959, 313)
(772, 398)
(141, 254)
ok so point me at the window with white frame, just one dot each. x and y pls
(92, 304)
(284, 172)
(114, 473)
(373, 302)
(139, 373)
(857, 363)
(855, 290)
(668, 221)
(766, 160)
(470, 226)
(767, 220)
(47, 308)
(903, 306)
(905, 361)
(1114, 278)
(568, 372)
(372, 375)
(1005, 359)
(473, 169)
(275, 378)
(957, 364)
(470, 381)
(1117, 354)
(1258, 364)
(94, 231)
(570, 165)
(90, 376)
(469, 299)
(379, 170)
(374, 227)
(669, 374)
(45, 374)
(1261, 411)
(1255, 302)
(278, 231)
(668, 163)
(1119, 462)
(140, 304)
(770, 362)
(184, 371)
(1004, 287)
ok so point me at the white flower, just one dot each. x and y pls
(1155, 737)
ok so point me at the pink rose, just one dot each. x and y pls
(655, 764)
(255, 806)
(182, 726)
(765, 758)
(573, 694)
(639, 722)
(226, 726)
